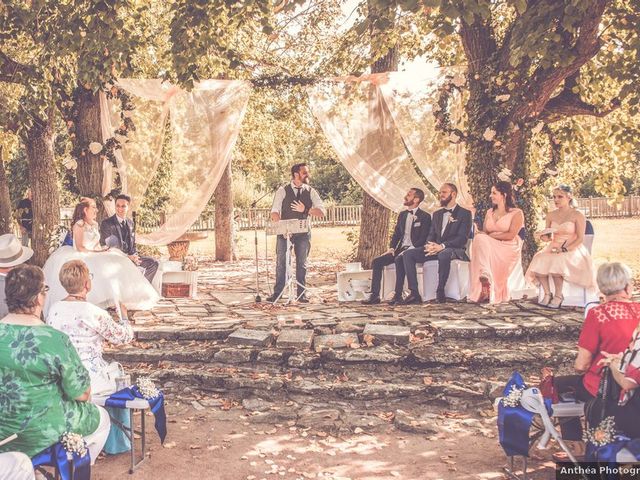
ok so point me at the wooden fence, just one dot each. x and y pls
(349, 215)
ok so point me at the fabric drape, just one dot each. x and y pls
(358, 124)
(411, 101)
(204, 124)
(382, 127)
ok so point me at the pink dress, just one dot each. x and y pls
(494, 259)
(574, 266)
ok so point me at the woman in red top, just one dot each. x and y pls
(607, 328)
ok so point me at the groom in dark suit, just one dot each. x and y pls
(447, 241)
(409, 234)
(117, 231)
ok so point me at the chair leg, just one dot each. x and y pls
(133, 442)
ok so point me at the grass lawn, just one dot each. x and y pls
(615, 239)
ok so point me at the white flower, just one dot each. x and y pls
(73, 443)
(603, 434)
(95, 147)
(70, 163)
(513, 397)
(505, 174)
(459, 81)
(503, 98)
(537, 128)
(454, 137)
(489, 134)
(497, 144)
(147, 388)
(551, 171)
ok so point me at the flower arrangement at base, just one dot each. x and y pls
(73, 443)
(513, 398)
(189, 263)
(147, 388)
(603, 434)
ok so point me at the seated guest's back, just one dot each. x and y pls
(607, 328)
(87, 325)
(44, 387)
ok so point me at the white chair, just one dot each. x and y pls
(354, 286)
(457, 286)
(389, 280)
(575, 295)
(171, 272)
(533, 401)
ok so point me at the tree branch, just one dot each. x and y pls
(12, 71)
(545, 82)
(569, 104)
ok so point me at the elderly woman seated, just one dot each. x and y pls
(44, 387)
(625, 369)
(607, 328)
(87, 325)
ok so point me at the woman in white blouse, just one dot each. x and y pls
(87, 325)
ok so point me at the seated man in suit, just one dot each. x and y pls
(447, 240)
(117, 231)
(410, 233)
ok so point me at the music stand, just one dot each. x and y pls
(286, 228)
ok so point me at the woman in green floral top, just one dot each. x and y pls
(44, 388)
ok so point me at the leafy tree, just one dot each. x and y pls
(48, 49)
(531, 66)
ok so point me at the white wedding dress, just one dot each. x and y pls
(115, 277)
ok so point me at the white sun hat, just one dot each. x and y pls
(12, 252)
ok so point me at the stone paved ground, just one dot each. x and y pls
(424, 372)
(324, 354)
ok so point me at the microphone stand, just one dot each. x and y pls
(258, 299)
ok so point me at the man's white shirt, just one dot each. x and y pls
(408, 224)
(316, 201)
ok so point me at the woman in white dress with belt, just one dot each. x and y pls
(116, 279)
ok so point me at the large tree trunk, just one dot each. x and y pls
(374, 227)
(44, 187)
(374, 230)
(89, 172)
(5, 199)
(224, 217)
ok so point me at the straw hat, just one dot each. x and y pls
(12, 252)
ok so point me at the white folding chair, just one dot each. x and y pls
(533, 401)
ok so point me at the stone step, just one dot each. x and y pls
(426, 353)
(437, 386)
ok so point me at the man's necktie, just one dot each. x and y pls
(125, 235)
(298, 189)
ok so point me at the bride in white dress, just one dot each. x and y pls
(116, 279)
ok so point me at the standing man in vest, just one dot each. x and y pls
(296, 200)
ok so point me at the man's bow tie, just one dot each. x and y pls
(448, 210)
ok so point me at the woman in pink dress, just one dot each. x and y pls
(495, 250)
(565, 258)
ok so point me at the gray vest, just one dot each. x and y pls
(289, 198)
